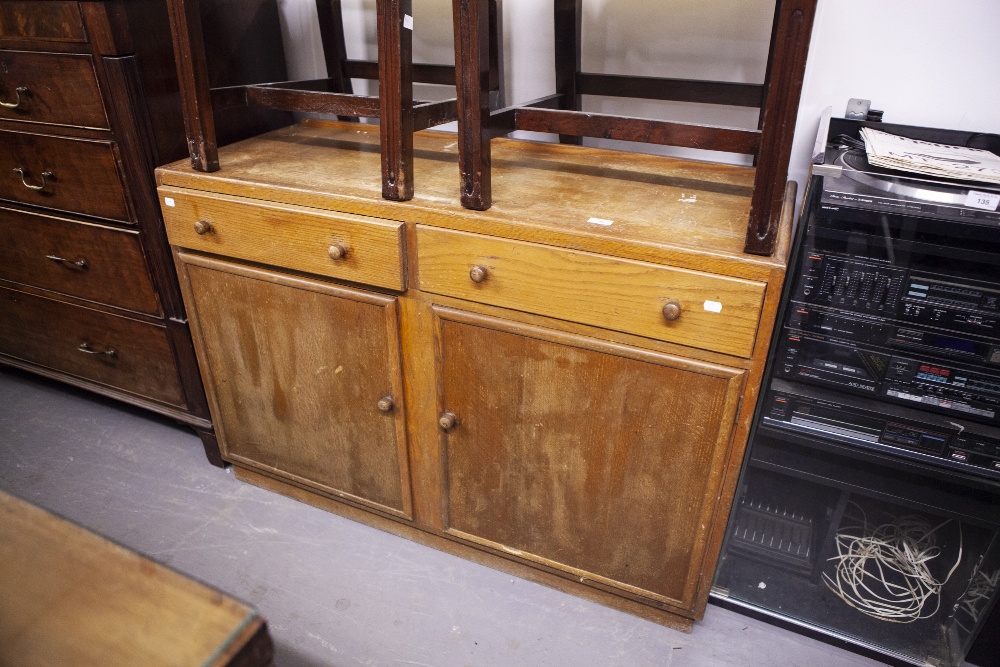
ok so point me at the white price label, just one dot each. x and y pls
(601, 221)
(987, 201)
(407, 21)
(169, 201)
(713, 306)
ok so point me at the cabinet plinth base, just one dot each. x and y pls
(490, 560)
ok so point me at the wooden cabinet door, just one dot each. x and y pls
(595, 459)
(304, 378)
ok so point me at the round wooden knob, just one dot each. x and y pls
(338, 251)
(448, 421)
(386, 404)
(671, 310)
(202, 227)
(478, 274)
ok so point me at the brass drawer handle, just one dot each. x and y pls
(80, 264)
(386, 404)
(448, 421)
(671, 310)
(478, 274)
(86, 349)
(20, 90)
(45, 176)
(338, 251)
(203, 227)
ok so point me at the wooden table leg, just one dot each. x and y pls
(192, 74)
(568, 21)
(783, 87)
(395, 76)
(472, 61)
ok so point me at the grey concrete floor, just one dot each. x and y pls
(335, 593)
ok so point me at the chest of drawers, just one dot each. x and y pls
(88, 292)
(564, 399)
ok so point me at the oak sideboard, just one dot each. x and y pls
(560, 387)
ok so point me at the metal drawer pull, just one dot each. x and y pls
(45, 176)
(203, 227)
(20, 90)
(671, 310)
(386, 404)
(86, 349)
(80, 264)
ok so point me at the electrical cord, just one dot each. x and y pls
(975, 600)
(884, 571)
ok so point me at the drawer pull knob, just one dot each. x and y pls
(671, 310)
(448, 421)
(86, 349)
(338, 251)
(203, 227)
(20, 90)
(45, 176)
(80, 264)
(386, 404)
(478, 274)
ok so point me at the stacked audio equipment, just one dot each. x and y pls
(873, 474)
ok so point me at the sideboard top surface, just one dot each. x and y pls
(602, 200)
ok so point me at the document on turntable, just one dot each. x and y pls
(925, 157)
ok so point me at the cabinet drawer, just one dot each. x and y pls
(715, 312)
(84, 260)
(294, 237)
(57, 88)
(82, 175)
(80, 341)
(49, 21)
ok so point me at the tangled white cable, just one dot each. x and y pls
(884, 571)
(976, 599)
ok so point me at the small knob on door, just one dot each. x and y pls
(386, 404)
(448, 421)
(202, 227)
(338, 251)
(478, 274)
(671, 310)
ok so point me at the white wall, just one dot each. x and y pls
(924, 62)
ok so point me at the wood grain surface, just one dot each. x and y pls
(73, 598)
(597, 459)
(85, 175)
(50, 333)
(682, 212)
(100, 263)
(592, 289)
(288, 236)
(295, 370)
(61, 89)
(56, 21)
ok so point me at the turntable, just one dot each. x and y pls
(851, 181)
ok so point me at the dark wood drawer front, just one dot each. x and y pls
(51, 88)
(88, 261)
(114, 351)
(49, 21)
(67, 174)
